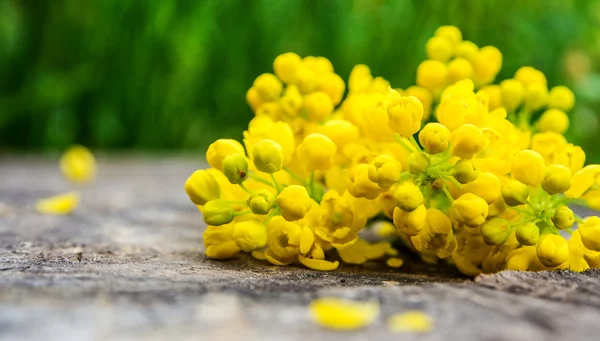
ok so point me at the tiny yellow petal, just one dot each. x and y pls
(258, 255)
(307, 239)
(318, 264)
(340, 314)
(411, 321)
(58, 205)
(395, 262)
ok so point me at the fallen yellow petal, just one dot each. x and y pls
(258, 255)
(340, 314)
(411, 321)
(78, 164)
(58, 205)
(318, 264)
(395, 262)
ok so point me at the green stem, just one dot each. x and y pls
(453, 181)
(294, 176)
(275, 183)
(241, 184)
(242, 213)
(403, 143)
(236, 201)
(275, 211)
(445, 189)
(414, 143)
(311, 185)
(259, 179)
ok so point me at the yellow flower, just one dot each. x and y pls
(465, 171)
(528, 167)
(590, 233)
(218, 241)
(486, 65)
(495, 96)
(418, 163)
(316, 152)
(341, 132)
(528, 234)
(261, 128)
(394, 262)
(552, 250)
(521, 259)
(360, 184)
(319, 65)
(434, 137)
(528, 75)
(561, 98)
(436, 235)
(439, 48)
(220, 149)
(557, 179)
(405, 115)
(78, 164)
(410, 223)
(235, 168)
(294, 202)
(202, 187)
(268, 87)
(495, 231)
(340, 314)
(333, 85)
(466, 49)
(515, 193)
(452, 33)
(413, 321)
(267, 156)
(217, 212)
(250, 235)
(424, 96)
(486, 186)
(563, 218)
(408, 196)
(386, 171)
(583, 180)
(536, 96)
(261, 201)
(458, 69)
(253, 99)
(470, 210)
(318, 106)
(286, 67)
(466, 141)
(360, 79)
(290, 103)
(512, 92)
(432, 75)
(554, 120)
(58, 205)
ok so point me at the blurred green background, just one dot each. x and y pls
(172, 74)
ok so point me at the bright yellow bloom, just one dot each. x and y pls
(536, 96)
(583, 180)
(554, 120)
(528, 167)
(408, 196)
(432, 75)
(452, 33)
(418, 163)
(261, 201)
(340, 314)
(466, 141)
(319, 65)
(513, 93)
(486, 65)
(561, 98)
(410, 223)
(465, 171)
(495, 96)
(220, 149)
(486, 186)
(318, 106)
(316, 152)
(528, 75)
(58, 205)
(386, 171)
(470, 210)
(268, 87)
(286, 67)
(78, 164)
(466, 49)
(250, 235)
(360, 184)
(590, 233)
(294, 202)
(341, 132)
(528, 234)
(434, 137)
(267, 156)
(458, 69)
(253, 99)
(333, 85)
(202, 187)
(515, 193)
(217, 212)
(439, 48)
(521, 259)
(424, 96)
(283, 241)
(405, 115)
(436, 235)
(563, 218)
(411, 321)
(261, 128)
(557, 179)
(218, 241)
(552, 250)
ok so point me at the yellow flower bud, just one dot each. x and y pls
(459, 69)
(410, 223)
(268, 87)
(515, 193)
(536, 96)
(286, 67)
(318, 106)
(512, 92)
(341, 132)
(202, 187)
(217, 212)
(470, 210)
(306, 80)
(360, 184)
(386, 171)
(291, 101)
(465, 171)
(253, 99)
(528, 167)
(486, 186)
(294, 202)
(495, 96)
(495, 231)
(552, 250)
(319, 65)
(235, 168)
(434, 137)
(424, 97)
(554, 120)
(452, 33)
(405, 115)
(218, 241)
(340, 314)
(486, 65)
(333, 85)
(261, 201)
(432, 75)
(418, 163)
(78, 164)
(520, 259)
(557, 179)
(528, 75)
(528, 234)
(408, 196)
(267, 156)
(466, 141)
(439, 48)
(316, 152)
(220, 149)
(561, 98)
(58, 204)
(250, 235)
(590, 233)
(466, 49)
(563, 218)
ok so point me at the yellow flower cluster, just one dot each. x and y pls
(455, 162)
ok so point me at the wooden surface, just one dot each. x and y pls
(128, 264)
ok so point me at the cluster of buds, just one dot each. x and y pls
(455, 162)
